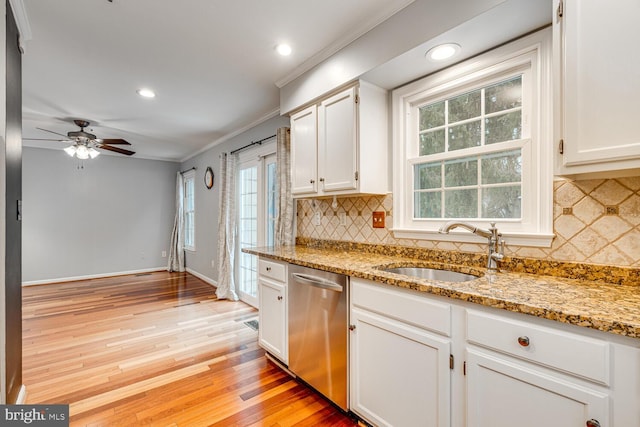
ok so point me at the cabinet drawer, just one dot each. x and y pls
(272, 269)
(402, 305)
(571, 353)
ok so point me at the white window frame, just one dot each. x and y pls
(530, 56)
(189, 178)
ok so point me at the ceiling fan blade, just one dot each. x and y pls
(47, 139)
(50, 131)
(116, 149)
(114, 141)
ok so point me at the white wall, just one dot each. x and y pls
(207, 201)
(113, 216)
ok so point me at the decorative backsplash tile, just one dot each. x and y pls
(586, 224)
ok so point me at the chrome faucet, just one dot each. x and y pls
(496, 244)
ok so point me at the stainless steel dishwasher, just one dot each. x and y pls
(318, 323)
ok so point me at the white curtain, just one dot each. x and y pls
(176, 248)
(284, 220)
(227, 228)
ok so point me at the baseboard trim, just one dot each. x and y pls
(202, 277)
(91, 276)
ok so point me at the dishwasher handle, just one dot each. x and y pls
(318, 282)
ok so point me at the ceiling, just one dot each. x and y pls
(212, 64)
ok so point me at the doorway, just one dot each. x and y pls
(256, 214)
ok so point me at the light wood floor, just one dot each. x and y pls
(156, 349)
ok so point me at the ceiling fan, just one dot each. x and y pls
(84, 144)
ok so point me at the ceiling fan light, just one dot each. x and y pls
(70, 150)
(82, 152)
(93, 153)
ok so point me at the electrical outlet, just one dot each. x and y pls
(378, 219)
(316, 218)
(343, 218)
(164, 254)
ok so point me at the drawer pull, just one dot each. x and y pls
(279, 297)
(523, 341)
(593, 423)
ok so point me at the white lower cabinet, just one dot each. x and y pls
(400, 373)
(510, 369)
(504, 393)
(272, 314)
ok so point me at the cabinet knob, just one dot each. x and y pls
(523, 341)
(321, 179)
(352, 327)
(268, 268)
(593, 423)
(279, 297)
(311, 181)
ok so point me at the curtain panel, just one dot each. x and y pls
(284, 220)
(227, 228)
(176, 247)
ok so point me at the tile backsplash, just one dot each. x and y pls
(595, 221)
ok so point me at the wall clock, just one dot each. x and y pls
(208, 177)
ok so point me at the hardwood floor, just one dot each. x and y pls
(157, 349)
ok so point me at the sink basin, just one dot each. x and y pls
(432, 274)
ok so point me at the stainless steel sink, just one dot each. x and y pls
(432, 274)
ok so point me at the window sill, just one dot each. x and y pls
(540, 240)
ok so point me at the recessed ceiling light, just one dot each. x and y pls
(283, 49)
(443, 51)
(146, 93)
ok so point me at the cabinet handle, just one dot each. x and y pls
(352, 327)
(268, 268)
(279, 297)
(523, 341)
(593, 423)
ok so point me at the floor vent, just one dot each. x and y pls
(253, 324)
(143, 274)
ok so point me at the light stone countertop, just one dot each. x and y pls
(606, 307)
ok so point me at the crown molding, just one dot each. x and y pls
(22, 21)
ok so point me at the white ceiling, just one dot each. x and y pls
(211, 62)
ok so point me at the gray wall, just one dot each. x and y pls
(207, 201)
(113, 216)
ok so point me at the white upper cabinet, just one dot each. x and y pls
(304, 157)
(339, 145)
(338, 141)
(597, 93)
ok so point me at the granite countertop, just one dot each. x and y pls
(606, 307)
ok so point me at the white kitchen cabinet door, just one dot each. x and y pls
(272, 315)
(400, 374)
(597, 53)
(304, 155)
(504, 393)
(337, 142)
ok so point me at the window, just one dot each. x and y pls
(189, 211)
(472, 143)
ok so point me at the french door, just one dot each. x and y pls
(256, 215)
